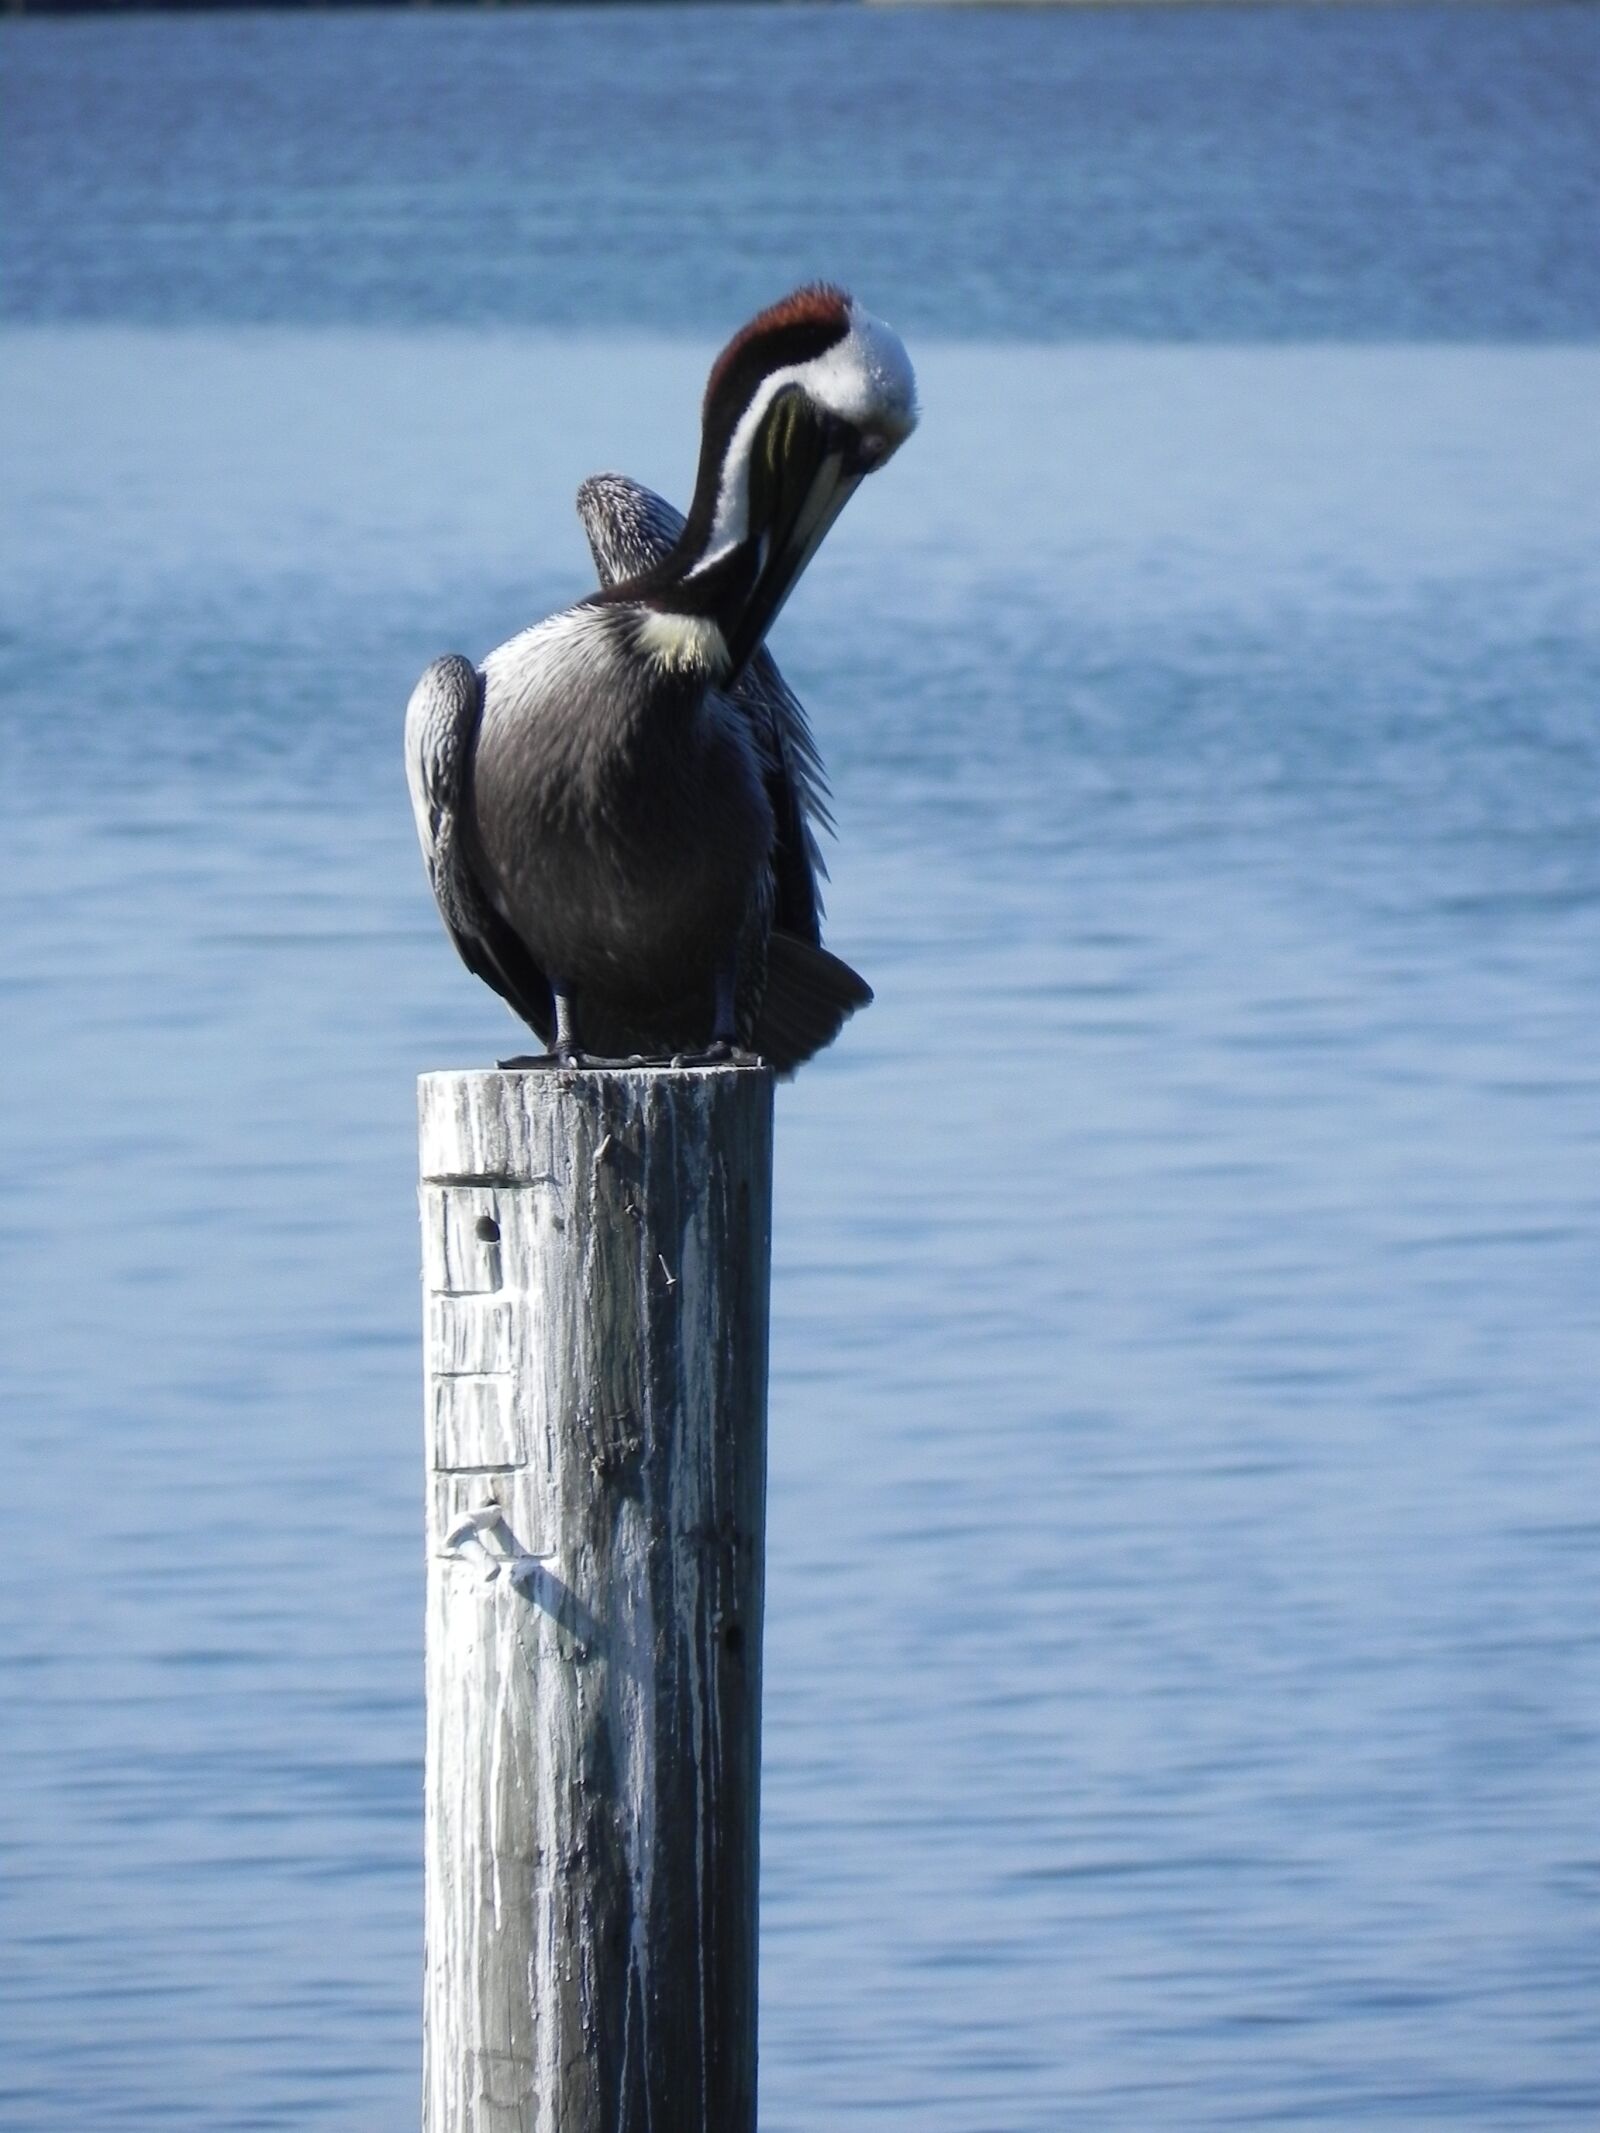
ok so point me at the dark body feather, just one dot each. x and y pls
(441, 735)
(631, 530)
(622, 817)
(592, 822)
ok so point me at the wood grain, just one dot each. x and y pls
(596, 1252)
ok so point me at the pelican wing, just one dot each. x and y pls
(631, 529)
(441, 731)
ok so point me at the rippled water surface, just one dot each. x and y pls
(1183, 1676)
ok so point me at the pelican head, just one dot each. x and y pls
(804, 402)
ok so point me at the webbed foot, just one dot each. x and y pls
(721, 1053)
(542, 1059)
(575, 1062)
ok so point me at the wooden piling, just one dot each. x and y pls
(595, 1260)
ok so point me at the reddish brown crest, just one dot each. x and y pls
(796, 328)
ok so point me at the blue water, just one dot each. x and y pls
(1183, 1673)
(1216, 174)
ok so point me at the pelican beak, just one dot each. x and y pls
(806, 467)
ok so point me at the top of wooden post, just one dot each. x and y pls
(495, 1123)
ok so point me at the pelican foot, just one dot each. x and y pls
(575, 1062)
(722, 1053)
(539, 1059)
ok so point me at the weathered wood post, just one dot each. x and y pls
(596, 1248)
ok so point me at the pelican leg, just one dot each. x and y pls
(723, 1050)
(566, 1044)
(725, 1022)
(565, 1051)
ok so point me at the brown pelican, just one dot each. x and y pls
(616, 810)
